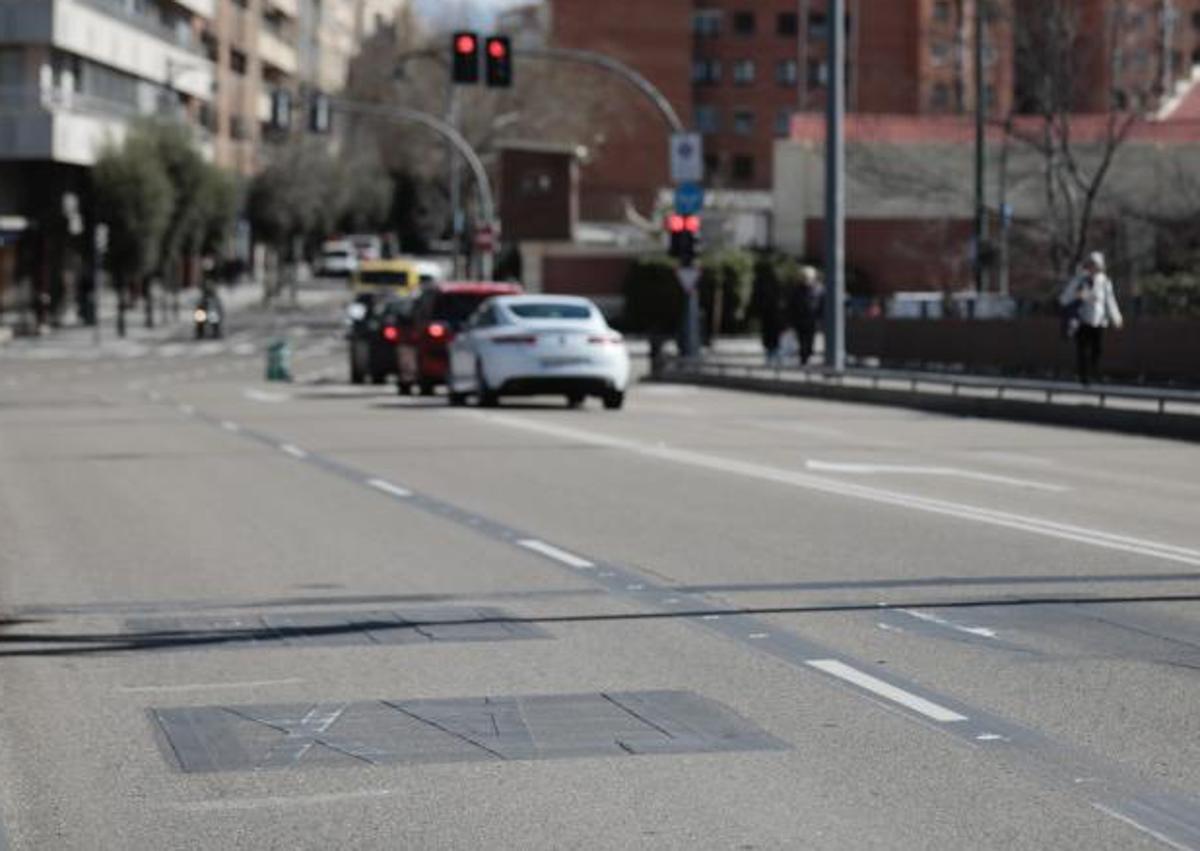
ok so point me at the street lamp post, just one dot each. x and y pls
(835, 192)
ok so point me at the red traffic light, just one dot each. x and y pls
(676, 223)
(496, 48)
(692, 224)
(465, 44)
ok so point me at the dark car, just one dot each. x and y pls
(376, 324)
(441, 310)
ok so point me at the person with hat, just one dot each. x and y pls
(1091, 305)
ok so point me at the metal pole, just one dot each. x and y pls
(980, 147)
(456, 211)
(835, 192)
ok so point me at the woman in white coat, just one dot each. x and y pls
(1092, 306)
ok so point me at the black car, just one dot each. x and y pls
(375, 326)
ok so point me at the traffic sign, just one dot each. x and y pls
(689, 199)
(687, 158)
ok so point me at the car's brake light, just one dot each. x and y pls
(516, 340)
(391, 333)
(437, 331)
(604, 339)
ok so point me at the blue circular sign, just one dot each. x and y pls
(689, 199)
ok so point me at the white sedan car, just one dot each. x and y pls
(529, 345)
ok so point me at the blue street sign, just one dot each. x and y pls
(689, 199)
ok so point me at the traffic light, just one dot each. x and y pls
(465, 58)
(684, 233)
(498, 53)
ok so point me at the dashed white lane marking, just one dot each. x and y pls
(916, 470)
(294, 451)
(569, 559)
(887, 691)
(266, 396)
(1137, 825)
(231, 426)
(989, 737)
(980, 631)
(1024, 523)
(210, 686)
(389, 488)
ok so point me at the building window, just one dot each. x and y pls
(787, 72)
(712, 167)
(818, 73)
(707, 119)
(706, 72)
(706, 23)
(787, 24)
(940, 99)
(783, 123)
(743, 122)
(743, 167)
(818, 26)
(941, 52)
(743, 23)
(237, 62)
(743, 72)
(941, 11)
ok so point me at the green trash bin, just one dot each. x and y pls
(279, 360)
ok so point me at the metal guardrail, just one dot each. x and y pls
(1162, 400)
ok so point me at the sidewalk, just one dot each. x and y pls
(1151, 411)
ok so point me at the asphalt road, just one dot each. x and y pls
(241, 615)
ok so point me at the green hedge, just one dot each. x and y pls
(654, 301)
(731, 274)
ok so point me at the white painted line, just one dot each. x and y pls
(963, 511)
(569, 559)
(1137, 825)
(916, 470)
(220, 804)
(759, 636)
(389, 488)
(990, 737)
(231, 426)
(886, 690)
(210, 686)
(294, 451)
(255, 395)
(979, 631)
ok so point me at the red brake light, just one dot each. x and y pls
(437, 331)
(391, 333)
(604, 339)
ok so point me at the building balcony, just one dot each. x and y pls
(277, 53)
(67, 127)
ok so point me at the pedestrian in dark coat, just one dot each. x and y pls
(766, 302)
(805, 305)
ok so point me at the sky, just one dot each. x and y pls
(462, 12)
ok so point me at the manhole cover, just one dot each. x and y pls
(311, 629)
(385, 732)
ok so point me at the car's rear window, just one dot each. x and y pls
(456, 307)
(550, 310)
(384, 279)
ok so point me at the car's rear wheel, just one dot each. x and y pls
(614, 400)
(378, 378)
(403, 388)
(426, 388)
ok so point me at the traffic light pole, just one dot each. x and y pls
(981, 106)
(487, 203)
(835, 192)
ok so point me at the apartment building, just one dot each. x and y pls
(73, 74)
